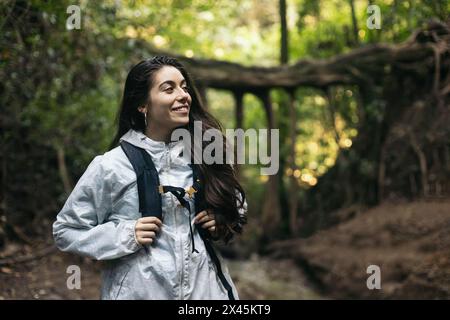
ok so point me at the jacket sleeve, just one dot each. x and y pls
(81, 225)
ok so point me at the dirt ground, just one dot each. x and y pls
(46, 278)
(256, 278)
(409, 242)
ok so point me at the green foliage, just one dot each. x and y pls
(62, 87)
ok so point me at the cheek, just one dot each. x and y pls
(162, 99)
(160, 105)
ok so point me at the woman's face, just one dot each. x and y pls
(170, 101)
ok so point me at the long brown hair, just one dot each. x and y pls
(223, 192)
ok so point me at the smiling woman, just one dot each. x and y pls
(118, 208)
(168, 105)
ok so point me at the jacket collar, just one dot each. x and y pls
(156, 148)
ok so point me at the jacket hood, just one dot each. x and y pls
(155, 148)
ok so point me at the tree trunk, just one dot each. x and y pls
(63, 173)
(238, 99)
(293, 186)
(354, 22)
(202, 93)
(330, 113)
(422, 162)
(284, 53)
(271, 212)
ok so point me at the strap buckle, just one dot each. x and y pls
(191, 191)
(160, 189)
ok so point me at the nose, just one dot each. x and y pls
(183, 95)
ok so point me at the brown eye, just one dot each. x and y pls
(169, 89)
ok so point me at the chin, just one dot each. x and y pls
(181, 122)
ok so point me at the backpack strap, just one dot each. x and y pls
(150, 202)
(199, 198)
(200, 205)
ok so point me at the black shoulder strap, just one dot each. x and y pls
(199, 198)
(200, 205)
(150, 203)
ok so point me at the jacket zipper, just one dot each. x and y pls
(175, 207)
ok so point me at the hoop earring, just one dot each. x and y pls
(145, 119)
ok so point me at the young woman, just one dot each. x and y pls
(150, 257)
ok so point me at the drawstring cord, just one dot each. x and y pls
(179, 193)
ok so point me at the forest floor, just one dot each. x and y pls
(408, 242)
(257, 278)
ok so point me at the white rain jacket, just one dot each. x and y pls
(98, 221)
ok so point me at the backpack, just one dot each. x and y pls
(150, 202)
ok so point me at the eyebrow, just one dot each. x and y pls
(171, 82)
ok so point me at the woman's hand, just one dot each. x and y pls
(146, 229)
(206, 218)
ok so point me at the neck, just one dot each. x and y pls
(158, 135)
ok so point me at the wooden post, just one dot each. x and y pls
(293, 186)
(239, 124)
(271, 211)
(202, 93)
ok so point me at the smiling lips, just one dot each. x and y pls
(181, 109)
